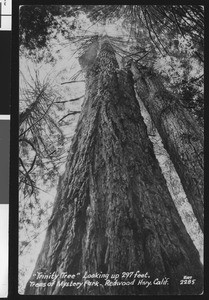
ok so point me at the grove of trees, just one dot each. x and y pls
(113, 211)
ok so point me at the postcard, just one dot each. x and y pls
(111, 150)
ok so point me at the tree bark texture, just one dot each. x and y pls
(180, 133)
(113, 212)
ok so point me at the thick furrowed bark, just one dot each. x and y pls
(180, 134)
(113, 212)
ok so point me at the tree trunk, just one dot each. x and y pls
(181, 136)
(113, 212)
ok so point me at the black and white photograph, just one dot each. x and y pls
(111, 146)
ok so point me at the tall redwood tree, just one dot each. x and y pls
(113, 211)
(180, 133)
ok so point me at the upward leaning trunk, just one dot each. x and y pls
(180, 135)
(113, 212)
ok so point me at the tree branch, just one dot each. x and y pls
(75, 99)
(26, 175)
(70, 113)
(34, 160)
(150, 19)
(37, 120)
(148, 28)
(72, 81)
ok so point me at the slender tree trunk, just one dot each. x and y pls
(181, 136)
(113, 212)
